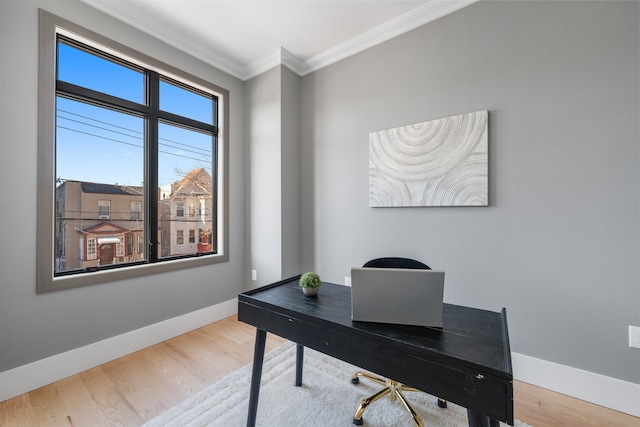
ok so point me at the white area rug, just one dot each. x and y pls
(326, 399)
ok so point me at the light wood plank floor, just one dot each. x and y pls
(133, 389)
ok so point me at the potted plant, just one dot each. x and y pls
(310, 282)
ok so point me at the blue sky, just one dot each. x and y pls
(100, 145)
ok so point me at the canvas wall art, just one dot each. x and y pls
(442, 162)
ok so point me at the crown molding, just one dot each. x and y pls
(262, 64)
(428, 12)
(291, 61)
(280, 57)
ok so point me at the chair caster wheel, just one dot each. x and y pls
(442, 403)
(355, 380)
(358, 422)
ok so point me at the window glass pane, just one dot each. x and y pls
(184, 175)
(177, 100)
(99, 173)
(94, 72)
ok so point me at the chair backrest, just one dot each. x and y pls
(395, 262)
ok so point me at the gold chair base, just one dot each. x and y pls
(394, 389)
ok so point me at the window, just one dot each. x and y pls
(104, 209)
(140, 244)
(130, 136)
(180, 209)
(136, 211)
(92, 251)
(120, 247)
(192, 236)
(204, 236)
(192, 209)
(180, 237)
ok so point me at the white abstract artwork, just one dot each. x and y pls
(442, 162)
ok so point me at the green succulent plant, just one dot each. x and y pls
(309, 280)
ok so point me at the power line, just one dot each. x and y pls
(99, 136)
(99, 121)
(124, 128)
(133, 145)
(99, 127)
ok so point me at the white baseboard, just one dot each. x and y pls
(605, 391)
(610, 392)
(22, 379)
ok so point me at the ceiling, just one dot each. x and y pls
(245, 38)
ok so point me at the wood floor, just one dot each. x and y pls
(133, 389)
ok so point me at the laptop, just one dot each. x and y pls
(397, 295)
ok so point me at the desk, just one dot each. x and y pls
(467, 362)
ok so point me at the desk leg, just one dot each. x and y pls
(256, 376)
(476, 419)
(299, 363)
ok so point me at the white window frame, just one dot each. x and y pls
(46, 281)
(92, 248)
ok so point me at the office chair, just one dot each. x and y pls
(393, 388)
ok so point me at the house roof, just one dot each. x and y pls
(105, 228)
(197, 182)
(95, 187)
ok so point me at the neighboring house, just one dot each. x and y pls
(186, 215)
(98, 224)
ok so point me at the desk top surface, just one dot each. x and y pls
(476, 338)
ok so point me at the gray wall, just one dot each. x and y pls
(558, 246)
(264, 115)
(274, 130)
(33, 326)
(291, 189)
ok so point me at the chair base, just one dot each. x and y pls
(393, 388)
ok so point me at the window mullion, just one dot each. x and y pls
(151, 145)
(83, 94)
(180, 120)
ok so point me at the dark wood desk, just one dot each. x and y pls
(467, 362)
